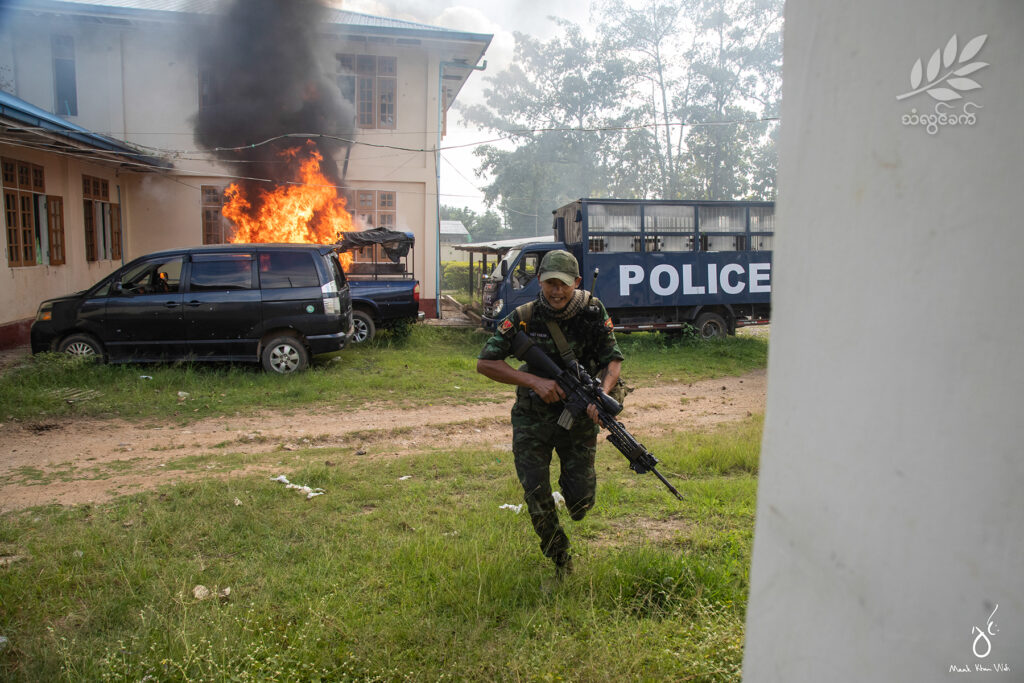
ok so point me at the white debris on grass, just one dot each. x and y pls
(201, 592)
(556, 495)
(408, 476)
(310, 492)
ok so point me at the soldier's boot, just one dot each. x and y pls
(563, 565)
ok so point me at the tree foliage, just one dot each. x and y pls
(551, 105)
(667, 99)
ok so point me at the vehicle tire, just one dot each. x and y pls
(284, 354)
(82, 346)
(363, 328)
(711, 326)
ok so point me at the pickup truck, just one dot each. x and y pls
(384, 292)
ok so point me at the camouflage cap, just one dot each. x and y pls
(561, 265)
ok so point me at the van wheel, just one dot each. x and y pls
(82, 346)
(711, 326)
(284, 355)
(363, 328)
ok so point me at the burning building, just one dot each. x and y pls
(279, 121)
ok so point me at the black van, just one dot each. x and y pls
(277, 304)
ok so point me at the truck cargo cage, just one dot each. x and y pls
(378, 253)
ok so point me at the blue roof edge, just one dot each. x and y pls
(17, 109)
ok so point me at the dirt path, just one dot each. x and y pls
(78, 461)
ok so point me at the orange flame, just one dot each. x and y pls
(306, 211)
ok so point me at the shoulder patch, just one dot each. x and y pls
(609, 324)
(505, 326)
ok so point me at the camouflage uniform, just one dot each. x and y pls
(534, 423)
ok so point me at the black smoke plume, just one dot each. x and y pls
(262, 79)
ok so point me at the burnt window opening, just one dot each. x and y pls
(376, 209)
(65, 88)
(102, 219)
(209, 88)
(216, 228)
(34, 221)
(370, 83)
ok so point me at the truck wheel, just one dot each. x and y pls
(711, 326)
(284, 355)
(82, 346)
(363, 327)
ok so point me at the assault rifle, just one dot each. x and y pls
(582, 390)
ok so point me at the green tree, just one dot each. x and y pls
(647, 35)
(551, 107)
(735, 66)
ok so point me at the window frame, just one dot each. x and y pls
(105, 234)
(208, 209)
(370, 82)
(34, 232)
(62, 49)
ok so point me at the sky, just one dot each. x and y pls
(459, 184)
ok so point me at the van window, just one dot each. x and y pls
(280, 269)
(525, 271)
(220, 272)
(158, 276)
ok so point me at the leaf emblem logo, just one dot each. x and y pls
(944, 78)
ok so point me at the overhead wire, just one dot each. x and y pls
(180, 153)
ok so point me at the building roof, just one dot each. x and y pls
(25, 123)
(454, 228)
(501, 246)
(141, 9)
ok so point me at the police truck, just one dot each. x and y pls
(655, 264)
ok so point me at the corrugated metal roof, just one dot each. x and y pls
(501, 246)
(334, 16)
(18, 110)
(453, 228)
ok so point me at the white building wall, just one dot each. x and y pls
(890, 520)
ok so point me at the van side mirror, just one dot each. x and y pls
(504, 269)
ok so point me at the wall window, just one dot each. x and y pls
(370, 83)
(102, 220)
(65, 89)
(209, 89)
(34, 221)
(376, 209)
(216, 228)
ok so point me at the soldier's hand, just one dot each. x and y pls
(548, 390)
(592, 414)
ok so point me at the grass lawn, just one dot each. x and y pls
(405, 569)
(384, 577)
(433, 364)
